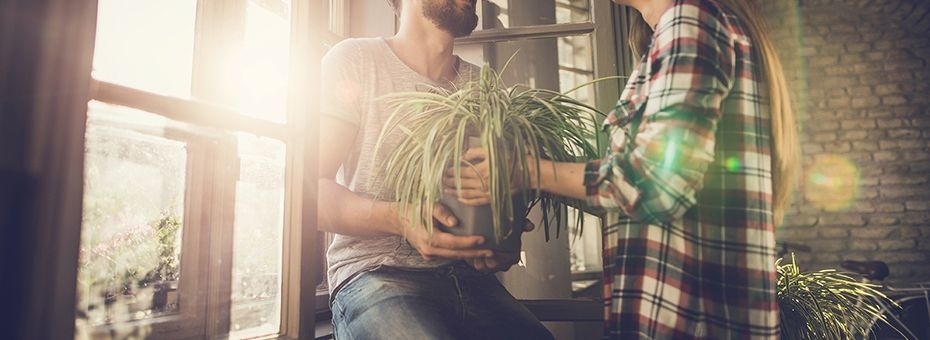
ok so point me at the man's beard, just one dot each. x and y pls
(448, 17)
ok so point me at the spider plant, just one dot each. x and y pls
(509, 121)
(825, 304)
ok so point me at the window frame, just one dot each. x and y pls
(608, 28)
(210, 205)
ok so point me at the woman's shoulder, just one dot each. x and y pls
(704, 14)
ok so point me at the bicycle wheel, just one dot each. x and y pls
(911, 321)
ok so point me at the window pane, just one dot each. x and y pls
(517, 13)
(553, 63)
(130, 259)
(146, 44)
(561, 64)
(585, 241)
(257, 70)
(256, 286)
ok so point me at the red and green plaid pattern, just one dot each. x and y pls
(693, 255)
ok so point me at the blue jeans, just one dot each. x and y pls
(449, 302)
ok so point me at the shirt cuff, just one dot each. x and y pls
(593, 176)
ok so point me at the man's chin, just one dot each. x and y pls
(465, 32)
(462, 33)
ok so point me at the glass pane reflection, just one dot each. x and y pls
(134, 184)
(521, 13)
(258, 238)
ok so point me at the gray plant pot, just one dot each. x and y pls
(479, 220)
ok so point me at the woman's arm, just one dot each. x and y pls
(692, 67)
(565, 179)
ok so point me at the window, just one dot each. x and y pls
(190, 210)
(554, 45)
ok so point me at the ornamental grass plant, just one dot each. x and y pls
(825, 304)
(509, 121)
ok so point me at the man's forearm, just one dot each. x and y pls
(344, 212)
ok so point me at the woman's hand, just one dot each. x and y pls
(475, 176)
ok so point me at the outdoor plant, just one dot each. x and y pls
(168, 268)
(121, 266)
(516, 125)
(825, 304)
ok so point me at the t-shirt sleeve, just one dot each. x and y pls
(340, 83)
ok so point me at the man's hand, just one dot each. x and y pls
(499, 261)
(441, 244)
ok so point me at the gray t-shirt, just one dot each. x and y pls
(356, 72)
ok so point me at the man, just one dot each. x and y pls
(388, 278)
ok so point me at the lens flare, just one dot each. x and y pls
(733, 164)
(831, 182)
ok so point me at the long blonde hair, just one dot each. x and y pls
(785, 147)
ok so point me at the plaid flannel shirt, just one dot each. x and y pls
(693, 254)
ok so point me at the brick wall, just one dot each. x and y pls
(860, 72)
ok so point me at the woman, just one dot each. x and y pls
(703, 150)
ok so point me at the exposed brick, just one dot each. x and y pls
(868, 181)
(865, 102)
(901, 244)
(866, 67)
(888, 144)
(824, 136)
(820, 61)
(921, 122)
(899, 76)
(884, 156)
(916, 156)
(822, 125)
(911, 144)
(865, 146)
(870, 106)
(837, 93)
(852, 135)
(905, 233)
(884, 89)
(890, 123)
(795, 222)
(892, 179)
(904, 65)
(837, 147)
(903, 133)
(901, 257)
(857, 47)
(883, 220)
(838, 103)
(894, 100)
(837, 70)
(843, 220)
(867, 193)
(860, 244)
(890, 207)
(878, 114)
(872, 233)
(832, 246)
(811, 148)
(900, 191)
(875, 56)
(851, 124)
(917, 206)
(882, 45)
(833, 232)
